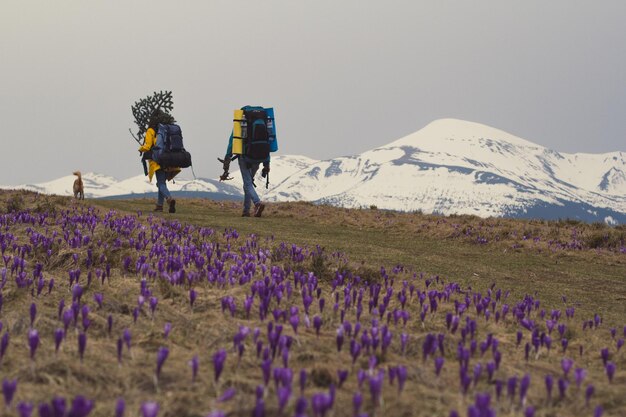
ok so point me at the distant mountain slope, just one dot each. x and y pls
(449, 166)
(103, 186)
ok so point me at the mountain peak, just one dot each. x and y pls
(444, 131)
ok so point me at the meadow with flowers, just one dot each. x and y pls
(109, 310)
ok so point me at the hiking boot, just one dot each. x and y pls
(258, 209)
(172, 204)
(158, 208)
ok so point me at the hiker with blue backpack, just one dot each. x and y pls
(153, 149)
(251, 141)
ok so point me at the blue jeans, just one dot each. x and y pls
(164, 193)
(247, 174)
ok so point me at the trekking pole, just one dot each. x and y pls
(267, 180)
(134, 137)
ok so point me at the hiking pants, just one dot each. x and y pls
(164, 193)
(248, 171)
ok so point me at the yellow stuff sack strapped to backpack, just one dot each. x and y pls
(239, 130)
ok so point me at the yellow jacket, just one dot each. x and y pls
(148, 142)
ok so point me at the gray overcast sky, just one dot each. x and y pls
(344, 76)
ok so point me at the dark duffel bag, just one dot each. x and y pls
(181, 159)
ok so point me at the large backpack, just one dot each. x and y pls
(257, 138)
(169, 151)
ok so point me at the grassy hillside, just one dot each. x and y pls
(408, 277)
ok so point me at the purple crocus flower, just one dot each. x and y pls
(404, 338)
(81, 407)
(589, 393)
(499, 383)
(61, 307)
(438, 364)
(77, 293)
(162, 355)
(283, 393)
(491, 368)
(523, 388)
(511, 386)
(218, 363)
(376, 385)
(598, 411)
(227, 395)
(478, 370)
(579, 376)
(563, 384)
(339, 338)
(120, 407)
(82, 343)
(402, 375)
(153, 305)
(127, 338)
(120, 346)
(566, 365)
(45, 410)
(549, 384)
(98, 297)
(604, 354)
(342, 375)
(109, 324)
(4, 344)
(33, 313)
(25, 409)
(192, 297)
(59, 335)
(167, 328)
(294, 321)
(33, 342)
(357, 401)
(266, 367)
(58, 406)
(8, 390)
(610, 370)
(149, 409)
(301, 405)
(529, 411)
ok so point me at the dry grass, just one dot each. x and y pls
(353, 241)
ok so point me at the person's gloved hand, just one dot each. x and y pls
(265, 171)
(226, 164)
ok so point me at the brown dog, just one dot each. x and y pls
(79, 191)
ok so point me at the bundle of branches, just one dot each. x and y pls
(144, 108)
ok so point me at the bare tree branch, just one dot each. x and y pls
(144, 108)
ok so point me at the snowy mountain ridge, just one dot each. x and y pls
(449, 166)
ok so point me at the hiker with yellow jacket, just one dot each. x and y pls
(162, 174)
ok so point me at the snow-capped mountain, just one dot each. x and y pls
(450, 167)
(103, 186)
(454, 166)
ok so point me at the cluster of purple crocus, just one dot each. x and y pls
(386, 331)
